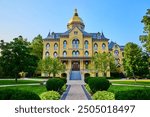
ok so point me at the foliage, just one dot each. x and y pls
(88, 89)
(37, 47)
(51, 65)
(63, 89)
(140, 94)
(134, 60)
(98, 84)
(16, 57)
(54, 84)
(145, 39)
(50, 95)
(86, 79)
(10, 94)
(103, 95)
(102, 62)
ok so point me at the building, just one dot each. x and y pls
(75, 48)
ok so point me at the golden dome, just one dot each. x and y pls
(75, 20)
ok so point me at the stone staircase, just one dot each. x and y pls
(75, 75)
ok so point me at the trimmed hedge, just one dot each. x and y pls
(98, 84)
(103, 95)
(54, 84)
(87, 79)
(50, 95)
(11, 94)
(139, 94)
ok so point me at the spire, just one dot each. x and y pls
(75, 12)
(49, 34)
(102, 36)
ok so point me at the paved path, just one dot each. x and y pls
(76, 92)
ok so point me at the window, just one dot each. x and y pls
(86, 44)
(75, 43)
(103, 46)
(47, 54)
(64, 53)
(77, 53)
(55, 46)
(95, 46)
(47, 46)
(75, 32)
(95, 53)
(55, 54)
(86, 53)
(64, 44)
(73, 53)
(86, 64)
(116, 52)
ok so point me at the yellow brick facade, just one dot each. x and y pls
(76, 47)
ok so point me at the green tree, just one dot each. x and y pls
(37, 47)
(51, 66)
(133, 59)
(102, 62)
(16, 58)
(145, 39)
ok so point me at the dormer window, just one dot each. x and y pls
(75, 32)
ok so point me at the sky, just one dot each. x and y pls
(120, 20)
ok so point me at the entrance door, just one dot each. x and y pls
(75, 66)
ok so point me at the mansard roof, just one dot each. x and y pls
(112, 44)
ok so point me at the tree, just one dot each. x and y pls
(102, 62)
(145, 39)
(134, 62)
(16, 57)
(51, 66)
(37, 47)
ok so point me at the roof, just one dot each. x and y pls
(95, 36)
(112, 44)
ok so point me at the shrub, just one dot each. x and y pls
(103, 95)
(50, 95)
(98, 84)
(54, 84)
(64, 79)
(138, 94)
(63, 89)
(10, 94)
(87, 79)
(88, 89)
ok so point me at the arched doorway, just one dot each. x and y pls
(75, 66)
(64, 75)
(86, 75)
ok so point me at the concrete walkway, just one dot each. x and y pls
(76, 93)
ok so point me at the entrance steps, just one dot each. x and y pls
(75, 75)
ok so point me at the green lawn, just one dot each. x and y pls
(132, 82)
(115, 89)
(8, 82)
(38, 89)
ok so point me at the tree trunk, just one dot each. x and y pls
(134, 76)
(16, 79)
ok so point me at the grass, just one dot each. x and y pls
(38, 89)
(132, 82)
(9, 82)
(115, 89)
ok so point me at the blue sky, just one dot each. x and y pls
(120, 20)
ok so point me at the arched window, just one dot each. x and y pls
(116, 52)
(86, 53)
(77, 53)
(47, 54)
(64, 44)
(55, 54)
(86, 64)
(75, 43)
(103, 46)
(47, 46)
(95, 46)
(64, 53)
(73, 53)
(55, 46)
(95, 53)
(86, 44)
